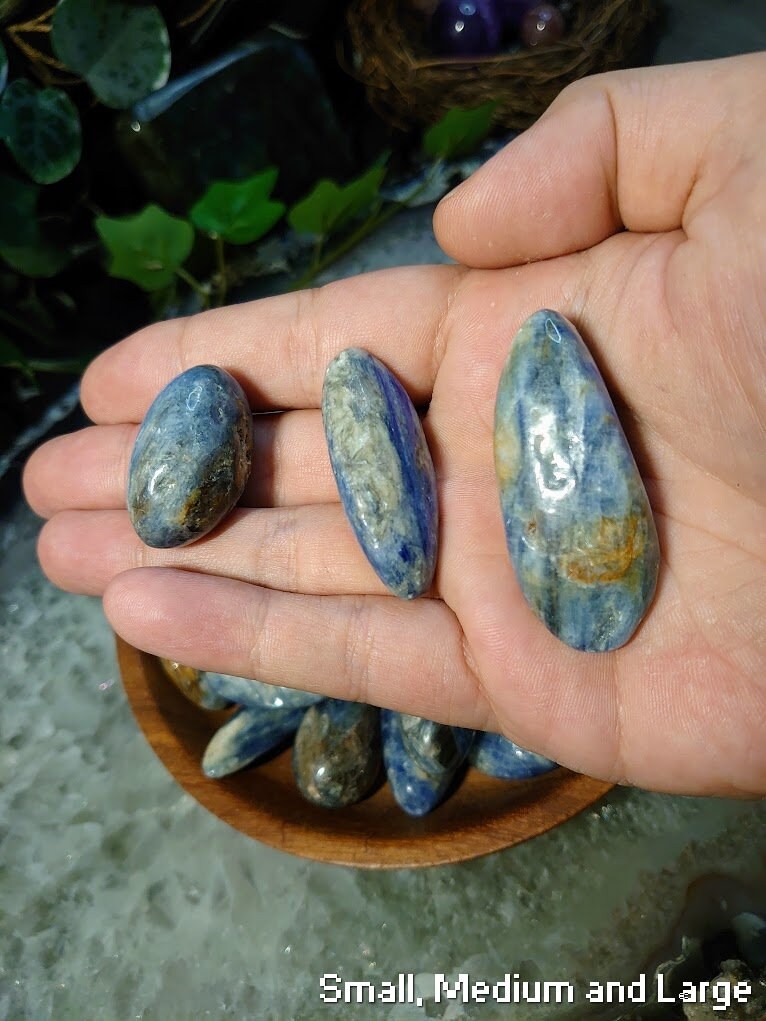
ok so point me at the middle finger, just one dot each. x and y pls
(311, 550)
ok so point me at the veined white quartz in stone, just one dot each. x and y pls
(121, 898)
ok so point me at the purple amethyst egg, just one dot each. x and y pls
(543, 25)
(466, 28)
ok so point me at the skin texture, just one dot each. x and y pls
(674, 309)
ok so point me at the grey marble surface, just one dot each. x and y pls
(122, 898)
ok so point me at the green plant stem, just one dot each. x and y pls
(195, 285)
(320, 262)
(220, 260)
(19, 324)
(63, 365)
(362, 231)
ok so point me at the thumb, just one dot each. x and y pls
(640, 149)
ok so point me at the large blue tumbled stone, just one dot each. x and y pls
(259, 694)
(578, 524)
(421, 759)
(191, 458)
(336, 755)
(383, 469)
(247, 736)
(497, 756)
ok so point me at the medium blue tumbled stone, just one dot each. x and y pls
(497, 756)
(421, 759)
(383, 469)
(191, 458)
(578, 524)
(259, 694)
(247, 736)
(336, 755)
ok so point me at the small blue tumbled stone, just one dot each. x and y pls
(383, 469)
(336, 755)
(421, 759)
(259, 694)
(497, 756)
(191, 458)
(248, 735)
(578, 524)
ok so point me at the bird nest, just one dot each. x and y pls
(407, 85)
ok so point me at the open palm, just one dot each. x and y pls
(673, 310)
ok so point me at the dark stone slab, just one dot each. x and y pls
(261, 104)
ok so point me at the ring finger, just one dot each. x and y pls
(88, 470)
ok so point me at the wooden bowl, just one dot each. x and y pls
(483, 815)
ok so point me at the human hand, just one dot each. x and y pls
(673, 310)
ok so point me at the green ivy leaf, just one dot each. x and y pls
(239, 211)
(3, 68)
(41, 127)
(459, 132)
(41, 260)
(330, 206)
(147, 248)
(121, 50)
(18, 212)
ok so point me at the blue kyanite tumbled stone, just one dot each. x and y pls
(421, 759)
(383, 469)
(336, 755)
(194, 685)
(259, 694)
(497, 756)
(247, 736)
(191, 458)
(577, 519)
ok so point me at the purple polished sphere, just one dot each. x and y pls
(542, 26)
(466, 28)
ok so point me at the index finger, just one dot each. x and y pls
(278, 348)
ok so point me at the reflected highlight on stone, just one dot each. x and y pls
(497, 756)
(421, 759)
(577, 519)
(383, 469)
(191, 458)
(336, 756)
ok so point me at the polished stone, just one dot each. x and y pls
(434, 746)
(578, 524)
(383, 469)
(336, 755)
(259, 694)
(191, 458)
(247, 736)
(194, 685)
(421, 759)
(497, 756)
